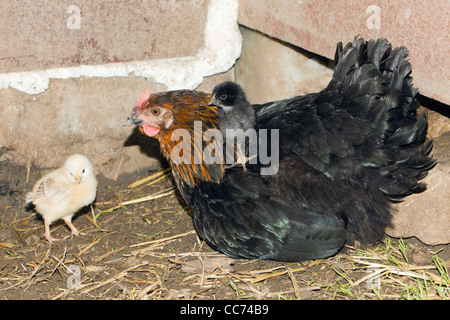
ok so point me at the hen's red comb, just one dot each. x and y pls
(143, 96)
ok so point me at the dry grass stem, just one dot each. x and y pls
(149, 178)
(150, 250)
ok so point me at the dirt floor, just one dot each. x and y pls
(149, 250)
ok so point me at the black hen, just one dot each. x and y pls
(345, 153)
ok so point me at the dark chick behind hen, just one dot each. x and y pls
(235, 112)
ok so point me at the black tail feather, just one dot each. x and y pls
(376, 84)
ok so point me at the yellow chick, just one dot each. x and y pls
(61, 193)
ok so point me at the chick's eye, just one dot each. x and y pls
(155, 111)
(83, 171)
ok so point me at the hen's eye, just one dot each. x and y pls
(155, 111)
(223, 97)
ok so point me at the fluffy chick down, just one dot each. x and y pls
(63, 192)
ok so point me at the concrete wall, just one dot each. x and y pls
(71, 73)
(269, 69)
(49, 34)
(317, 25)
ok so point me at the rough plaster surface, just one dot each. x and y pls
(221, 48)
(47, 114)
(270, 70)
(56, 34)
(317, 25)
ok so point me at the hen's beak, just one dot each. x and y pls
(134, 119)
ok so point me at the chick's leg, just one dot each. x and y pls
(68, 221)
(47, 232)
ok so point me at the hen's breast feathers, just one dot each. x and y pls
(242, 217)
(192, 116)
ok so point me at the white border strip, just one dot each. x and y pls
(222, 48)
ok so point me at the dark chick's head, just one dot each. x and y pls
(227, 94)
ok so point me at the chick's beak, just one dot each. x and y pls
(214, 101)
(78, 178)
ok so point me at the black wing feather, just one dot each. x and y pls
(245, 219)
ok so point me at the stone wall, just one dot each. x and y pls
(71, 73)
(317, 25)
